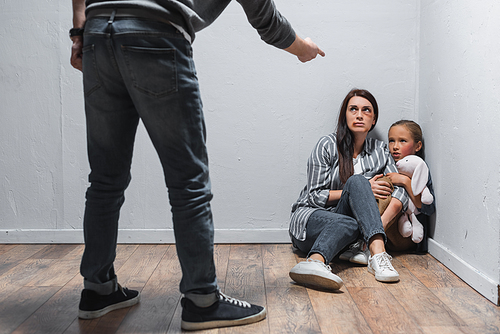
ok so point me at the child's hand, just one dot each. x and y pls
(381, 189)
(400, 180)
(404, 181)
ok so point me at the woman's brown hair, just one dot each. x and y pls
(345, 144)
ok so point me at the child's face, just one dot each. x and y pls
(401, 142)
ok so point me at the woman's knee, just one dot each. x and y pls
(357, 181)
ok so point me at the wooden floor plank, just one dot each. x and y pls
(19, 306)
(21, 274)
(278, 260)
(40, 290)
(58, 313)
(353, 275)
(82, 327)
(5, 248)
(159, 299)
(123, 253)
(290, 310)
(337, 312)
(59, 271)
(54, 251)
(476, 312)
(418, 301)
(245, 273)
(55, 273)
(448, 330)
(221, 259)
(140, 266)
(429, 271)
(14, 255)
(382, 312)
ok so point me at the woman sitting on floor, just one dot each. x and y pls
(338, 204)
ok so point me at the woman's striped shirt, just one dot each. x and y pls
(323, 176)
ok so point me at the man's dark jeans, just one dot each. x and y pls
(137, 69)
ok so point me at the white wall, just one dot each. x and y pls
(264, 111)
(460, 112)
(426, 60)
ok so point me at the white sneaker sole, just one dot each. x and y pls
(383, 278)
(317, 280)
(195, 326)
(99, 313)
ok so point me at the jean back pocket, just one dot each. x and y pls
(153, 71)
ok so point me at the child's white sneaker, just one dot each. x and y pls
(380, 265)
(361, 256)
(356, 254)
(353, 249)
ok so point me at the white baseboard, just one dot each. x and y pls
(473, 277)
(141, 236)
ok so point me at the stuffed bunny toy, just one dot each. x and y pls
(415, 168)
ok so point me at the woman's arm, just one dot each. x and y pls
(333, 197)
(319, 173)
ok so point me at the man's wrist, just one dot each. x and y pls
(74, 32)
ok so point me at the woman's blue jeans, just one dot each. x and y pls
(328, 232)
(136, 69)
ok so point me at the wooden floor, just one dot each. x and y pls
(40, 287)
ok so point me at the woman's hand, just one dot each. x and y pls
(381, 189)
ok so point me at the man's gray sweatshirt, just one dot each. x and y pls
(195, 15)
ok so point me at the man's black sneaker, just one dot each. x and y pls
(225, 312)
(93, 305)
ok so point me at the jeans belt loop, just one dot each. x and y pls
(112, 17)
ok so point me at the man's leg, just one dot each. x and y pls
(111, 127)
(160, 75)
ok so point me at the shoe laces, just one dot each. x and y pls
(234, 301)
(124, 290)
(321, 262)
(384, 262)
(356, 246)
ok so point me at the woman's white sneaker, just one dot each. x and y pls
(316, 273)
(380, 265)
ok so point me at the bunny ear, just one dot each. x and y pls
(419, 178)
